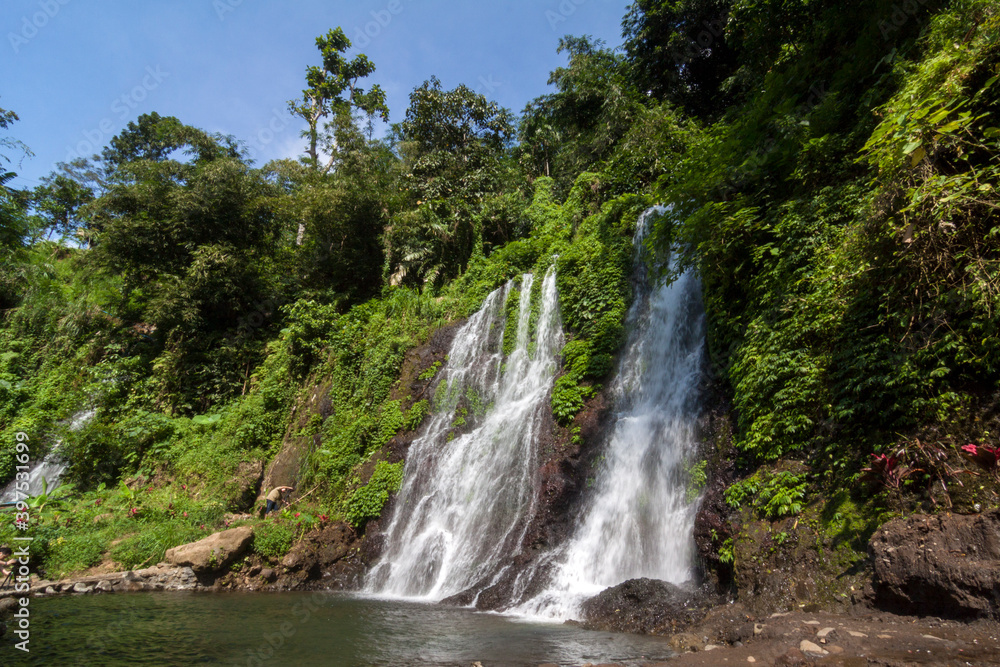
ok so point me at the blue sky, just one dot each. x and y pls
(77, 71)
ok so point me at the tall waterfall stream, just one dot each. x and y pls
(639, 520)
(467, 499)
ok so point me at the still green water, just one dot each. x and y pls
(256, 629)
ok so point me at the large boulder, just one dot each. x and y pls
(944, 565)
(645, 606)
(214, 552)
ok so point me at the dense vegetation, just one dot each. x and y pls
(831, 171)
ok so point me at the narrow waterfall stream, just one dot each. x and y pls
(46, 473)
(639, 521)
(468, 494)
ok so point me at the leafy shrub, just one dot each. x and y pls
(272, 539)
(367, 502)
(771, 495)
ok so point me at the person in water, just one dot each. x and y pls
(275, 498)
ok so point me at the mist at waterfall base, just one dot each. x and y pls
(466, 499)
(639, 521)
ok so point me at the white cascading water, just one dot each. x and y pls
(465, 503)
(639, 521)
(47, 473)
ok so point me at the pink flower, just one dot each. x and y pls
(297, 515)
(185, 514)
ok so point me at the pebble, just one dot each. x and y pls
(711, 647)
(824, 632)
(855, 633)
(750, 658)
(884, 636)
(812, 622)
(932, 637)
(807, 646)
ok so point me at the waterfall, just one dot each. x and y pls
(638, 522)
(46, 474)
(469, 483)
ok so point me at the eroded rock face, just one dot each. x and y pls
(645, 606)
(326, 555)
(214, 552)
(945, 565)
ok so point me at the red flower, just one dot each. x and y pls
(297, 515)
(185, 514)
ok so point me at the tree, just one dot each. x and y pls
(194, 244)
(681, 52)
(333, 93)
(565, 133)
(13, 216)
(57, 203)
(453, 144)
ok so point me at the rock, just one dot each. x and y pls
(685, 641)
(80, 587)
(711, 647)
(104, 586)
(825, 632)
(948, 565)
(269, 575)
(750, 658)
(214, 552)
(644, 606)
(8, 604)
(793, 657)
(855, 633)
(319, 550)
(809, 648)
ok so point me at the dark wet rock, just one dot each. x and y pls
(948, 565)
(321, 553)
(214, 552)
(646, 606)
(268, 575)
(245, 485)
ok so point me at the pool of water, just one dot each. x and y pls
(256, 629)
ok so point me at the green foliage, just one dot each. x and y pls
(697, 478)
(333, 91)
(272, 539)
(367, 502)
(772, 495)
